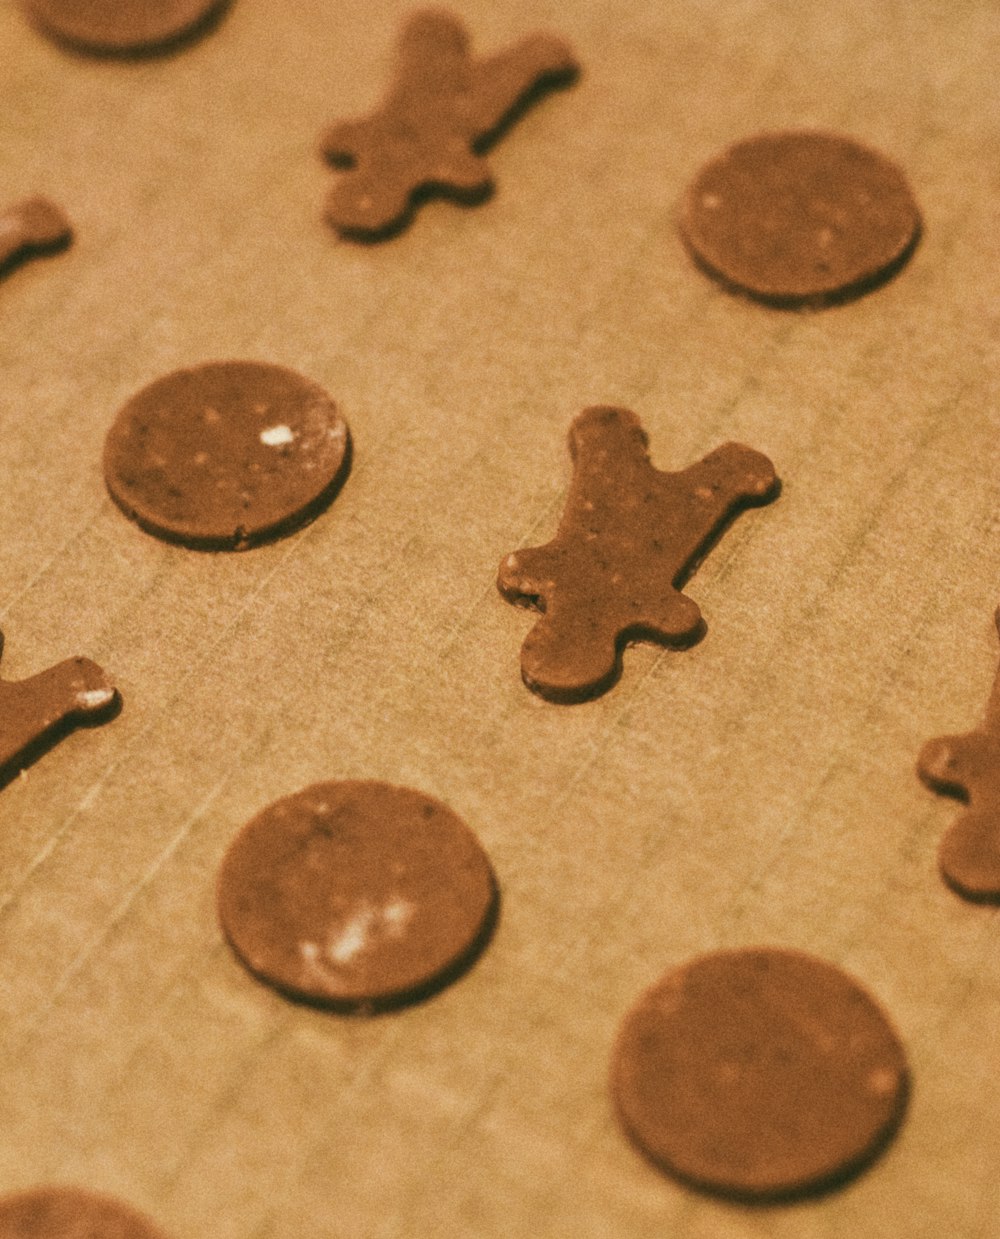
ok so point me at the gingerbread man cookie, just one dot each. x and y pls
(968, 768)
(443, 111)
(630, 537)
(41, 709)
(34, 226)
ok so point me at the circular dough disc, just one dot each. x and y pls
(124, 26)
(70, 1213)
(800, 217)
(356, 895)
(759, 1074)
(226, 455)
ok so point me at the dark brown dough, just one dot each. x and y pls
(629, 538)
(122, 26)
(443, 111)
(36, 712)
(968, 768)
(34, 226)
(357, 895)
(800, 218)
(226, 455)
(759, 1073)
(70, 1213)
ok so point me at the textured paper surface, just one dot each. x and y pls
(759, 788)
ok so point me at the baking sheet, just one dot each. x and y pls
(758, 788)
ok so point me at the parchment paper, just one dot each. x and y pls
(758, 788)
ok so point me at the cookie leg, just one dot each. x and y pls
(366, 204)
(940, 767)
(675, 621)
(570, 658)
(969, 857)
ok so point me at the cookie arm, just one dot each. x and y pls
(525, 577)
(72, 692)
(504, 83)
(343, 142)
(35, 224)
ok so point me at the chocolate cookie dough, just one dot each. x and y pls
(123, 27)
(968, 768)
(800, 218)
(36, 712)
(357, 895)
(759, 1074)
(70, 1213)
(444, 110)
(34, 226)
(629, 538)
(226, 455)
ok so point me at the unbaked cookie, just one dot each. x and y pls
(123, 27)
(800, 218)
(630, 537)
(70, 1213)
(759, 1073)
(444, 110)
(357, 895)
(226, 455)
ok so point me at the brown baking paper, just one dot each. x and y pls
(756, 789)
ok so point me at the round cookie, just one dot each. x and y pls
(226, 455)
(759, 1074)
(800, 217)
(357, 895)
(125, 27)
(70, 1213)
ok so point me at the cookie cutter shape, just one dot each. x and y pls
(38, 711)
(123, 27)
(443, 111)
(761, 1074)
(357, 896)
(629, 538)
(800, 218)
(226, 455)
(56, 1212)
(968, 768)
(33, 226)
